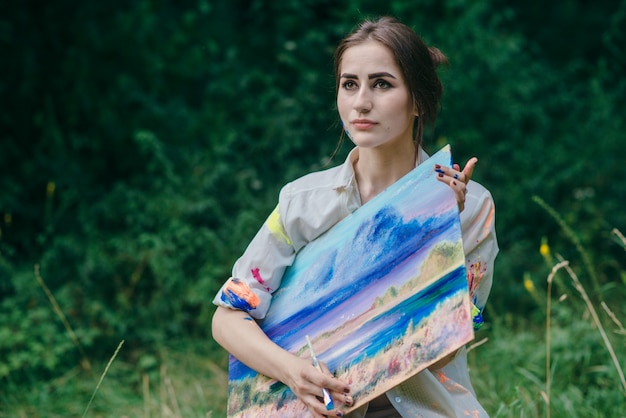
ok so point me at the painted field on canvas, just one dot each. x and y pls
(383, 295)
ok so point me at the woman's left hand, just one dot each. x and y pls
(457, 179)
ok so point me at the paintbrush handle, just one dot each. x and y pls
(328, 400)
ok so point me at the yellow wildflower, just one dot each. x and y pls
(528, 284)
(544, 250)
(50, 188)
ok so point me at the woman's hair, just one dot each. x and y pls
(417, 62)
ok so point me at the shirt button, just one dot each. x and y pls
(398, 399)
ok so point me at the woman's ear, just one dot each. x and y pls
(416, 110)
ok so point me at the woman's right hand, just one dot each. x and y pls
(306, 382)
(240, 335)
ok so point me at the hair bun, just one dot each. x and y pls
(437, 56)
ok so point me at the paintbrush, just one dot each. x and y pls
(328, 400)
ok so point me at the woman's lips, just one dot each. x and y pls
(363, 124)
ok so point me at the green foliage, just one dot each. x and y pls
(585, 379)
(144, 142)
(32, 341)
(508, 372)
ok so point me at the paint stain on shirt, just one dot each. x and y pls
(238, 295)
(257, 275)
(275, 226)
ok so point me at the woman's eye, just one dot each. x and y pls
(381, 84)
(349, 85)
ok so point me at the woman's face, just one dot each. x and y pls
(373, 101)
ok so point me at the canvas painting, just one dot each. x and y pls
(382, 295)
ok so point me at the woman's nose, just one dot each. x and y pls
(363, 101)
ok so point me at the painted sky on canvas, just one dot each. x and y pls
(338, 276)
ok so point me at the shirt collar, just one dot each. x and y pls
(345, 178)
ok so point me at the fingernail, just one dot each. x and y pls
(339, 414)
(454, 182)
(440, 174)
(439, 170)
(348, 400)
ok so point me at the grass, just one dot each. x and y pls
(508, 366)
(106, 369)
(566, 359)
(581, 352)
(509, 376)
(185, 381)
(508, 372)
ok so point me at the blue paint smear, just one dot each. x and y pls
(235, 301)
(387, 327)
(387, 248)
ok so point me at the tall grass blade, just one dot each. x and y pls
(546, 397)
(621, 237)
(596, 319)
(575, 240)
(616, 321)
(172, 393)
(146, 395)
(57, 310)
(106, 369)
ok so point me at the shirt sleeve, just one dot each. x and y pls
(306, 208)
(259, 271)
(480, 245)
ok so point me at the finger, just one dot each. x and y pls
(342, 398)
(450, 172)
(460, 191)
(315, 403)
(459, 187)
(314, 412)
(443, 178)
(332, 383)
(325, 368)
(448, 179)
(468, 170)
(316, 406)
(316, 381)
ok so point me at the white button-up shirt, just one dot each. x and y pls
(308, 207)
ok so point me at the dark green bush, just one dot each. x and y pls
(144, 142)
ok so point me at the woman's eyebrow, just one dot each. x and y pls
(379, 75)
(370, 76)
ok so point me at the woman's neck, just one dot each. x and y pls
(378, 168)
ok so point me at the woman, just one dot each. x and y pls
(387, 90)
